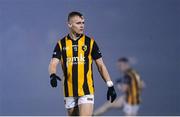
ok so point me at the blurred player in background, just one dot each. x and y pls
(130, 85)
(76, 52)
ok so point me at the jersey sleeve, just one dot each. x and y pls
(57, 52)
(96, 54)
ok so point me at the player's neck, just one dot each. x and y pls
(74, 36)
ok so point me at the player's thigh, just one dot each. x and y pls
(86, 109)
(85, 104)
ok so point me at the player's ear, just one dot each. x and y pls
(69, 24)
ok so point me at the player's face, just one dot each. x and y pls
(122, 66)
(76, 24)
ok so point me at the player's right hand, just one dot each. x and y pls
(54, 79)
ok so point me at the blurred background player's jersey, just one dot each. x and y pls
(76, 57)
(134, 90)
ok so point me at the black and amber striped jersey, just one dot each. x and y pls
(76, 57)
(132, 79)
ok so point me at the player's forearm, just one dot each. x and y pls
(104, 73)
(52, 68)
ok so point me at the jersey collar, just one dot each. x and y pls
(68, 37)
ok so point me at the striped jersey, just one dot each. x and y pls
(76, 58)
(134, 89)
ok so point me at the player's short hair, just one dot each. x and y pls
(123, 59)
(74, 13)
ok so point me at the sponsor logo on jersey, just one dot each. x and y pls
(76, 60)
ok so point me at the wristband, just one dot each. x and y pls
(109, 83)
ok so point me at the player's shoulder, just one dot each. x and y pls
(89, 38)
(133, 72)
(130, 71)
(62, 39)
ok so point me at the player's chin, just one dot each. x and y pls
(80, 32)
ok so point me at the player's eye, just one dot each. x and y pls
(78, 23)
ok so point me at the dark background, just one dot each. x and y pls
(146, 31)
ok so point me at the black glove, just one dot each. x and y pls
(111, 93)
(54, 79)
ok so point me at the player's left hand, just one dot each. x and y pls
(111, 93)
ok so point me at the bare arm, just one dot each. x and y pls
(111, 93)
(102, 70)
(53, 65)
